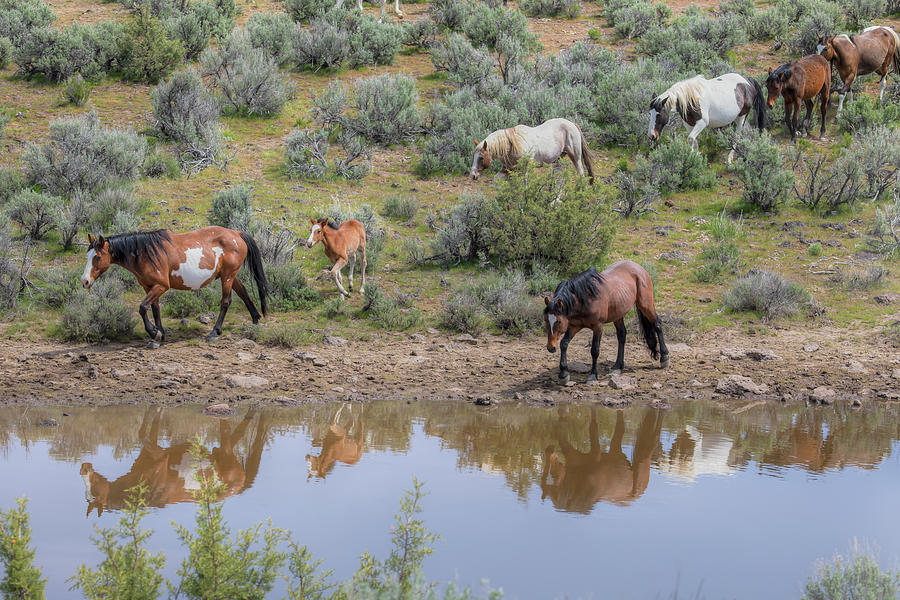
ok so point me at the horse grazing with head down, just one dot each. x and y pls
(546, 143)
(800, 81)
(590, 299)
(162, 260)
(703, 103)
(341, 244)
(875, 50)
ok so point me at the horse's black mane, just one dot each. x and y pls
(580, 289)
(331, 224)
(787, 67)
(128, 248)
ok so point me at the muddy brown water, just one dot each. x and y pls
(568, 502)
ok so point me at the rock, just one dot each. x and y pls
(761, 355)
(206, 318)
(166, 384)
(484, 401)
(417, 337)
(579, 367)
(811, 347)
(660, 404)
(333, 340)
(732, 353)
(674, 256)
(320, 362)
(657, 386)
(822, 395)
(92, 372)
(184, 322)
(218, 410)
(337, 389)
(170, 368)
(432, 331)
(737, 385)
(245, 381)
(615, 402)
(48, 422)
(704, 300)
(679, 348)
(246, 344)
(79, 358)
(465, 338)
(304, 356)
(696, 383)
(617, 381)
(889, 298)
(244, 356)
(854, 366)
(856, 403)
(895, 374)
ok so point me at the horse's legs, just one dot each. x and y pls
(352, 262)
(362, 257)
(737, 131)
(595, 351)
(692, 136)
(882, 87)
(157, 320)
(809, 108)
(563, 346)
(824, 99)
(152, 296)
(397, 9)
(336, 272)
(620, 354)
(788, 122)
(241, 291)
(227, 283)
(381, 15)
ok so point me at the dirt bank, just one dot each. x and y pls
(784, 365)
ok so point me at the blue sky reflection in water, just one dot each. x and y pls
(740, 504)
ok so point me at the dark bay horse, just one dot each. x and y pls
(875, 50)
(590, 299)
(341, 244)
(800, 81)
(184, 261)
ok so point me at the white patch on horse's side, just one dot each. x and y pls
(190, 272)
(86, 276)
(653, 114)
(315, 228)
(551, 320)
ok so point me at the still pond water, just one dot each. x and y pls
(546, 503)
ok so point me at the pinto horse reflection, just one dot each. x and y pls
(343, 443)
(173, 474)
(582, 479)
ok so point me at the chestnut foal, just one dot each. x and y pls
(341, 244)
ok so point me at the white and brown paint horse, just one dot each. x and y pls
(875, 50)
(162, 260)
(703, 103)
(341, 245)
(546, 143)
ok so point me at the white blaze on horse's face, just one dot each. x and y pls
(475, 172)
(819, 49)
(651, 131)
(312, 236)
(86, 280)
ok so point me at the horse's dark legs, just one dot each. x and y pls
(824, 95)
(809, 107)
(563, 363)
(663, 350)
(157, 319)
(150, 299)
(223, 309)
(620, 354)
(788, 122)
(595, 352)
(241, 291)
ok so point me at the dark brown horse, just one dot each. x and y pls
(187, 261)
(590, 299)
(800, 81)
(874, 50)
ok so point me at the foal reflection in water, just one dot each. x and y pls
(173, 474)
(343, 443)
(581, 479)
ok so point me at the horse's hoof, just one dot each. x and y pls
(592, 380)
(362, 290)
(153, 345)
(160, 335)
(822, 138)
(615, 371)
(212, 337)
(563, 380)
(664, 362)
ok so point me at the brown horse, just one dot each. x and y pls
(874, 50)
(800, 81)
(341, 244)
(590, 299)
(173, 474)
(185, 261)
(343, 443)
(582, 479)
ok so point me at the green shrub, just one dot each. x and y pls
(305, 154)
(856, 576)
(71, 217)
(274, 34)
(884, 233)
(451, 14)
(98, 315)
(187, 113)
(464, 64)
(759, 164)
(76, 90)
(504, 33)
(877, 152)
(460, 312)
(335, 308)
(722, 258)
(858, 279)
(421, 34)
(815, 249)
(635, 198)
(288, 290)
(115, 210)
(58, 285)
(770, 23)
(304, 10)
(182, 304)
(859, 13)
(159, 164)
(865, 113)
(673, 166)
(6, 52)
(767, 293)
(193, 24)
(551, 8)
(823, 18)
(462, 234)
(34, 212)
(385, 313)
(633, 18)
(147, 54)
(500, 300)
(373, 42)
(542, 278)
(11, 182)
(83, 156)
(18, 18)
(695, 41)
(4, 119)
(232, 208)
(398, 207)
(385, 109)
(21, 579)
(14, 265)
(324, 45)
(246, 79)
(57, 54)
(722, 228)
(820, 185)
(281, 335)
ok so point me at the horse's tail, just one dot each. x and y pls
(254, 262)
(648, 330)
(759, 105)
(587, 156)
(896, 37)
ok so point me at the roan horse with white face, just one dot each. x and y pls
(546, 143)
(703, 103)
(184, 261)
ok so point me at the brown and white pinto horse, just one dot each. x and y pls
(800, 81)
(590, 299)
(341, 244)
(874, 50)
(184, 261)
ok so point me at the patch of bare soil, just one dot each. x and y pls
(784, 365)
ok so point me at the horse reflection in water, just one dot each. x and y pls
(343, 442)
(582, 479)
(174, 474)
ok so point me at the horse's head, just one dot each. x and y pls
(317, 233)
(775, 82)
(825, 46)
(312, 466)
(659, 117)
(98, 260)
(96, 489)
(482, 159)
(555, 322)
